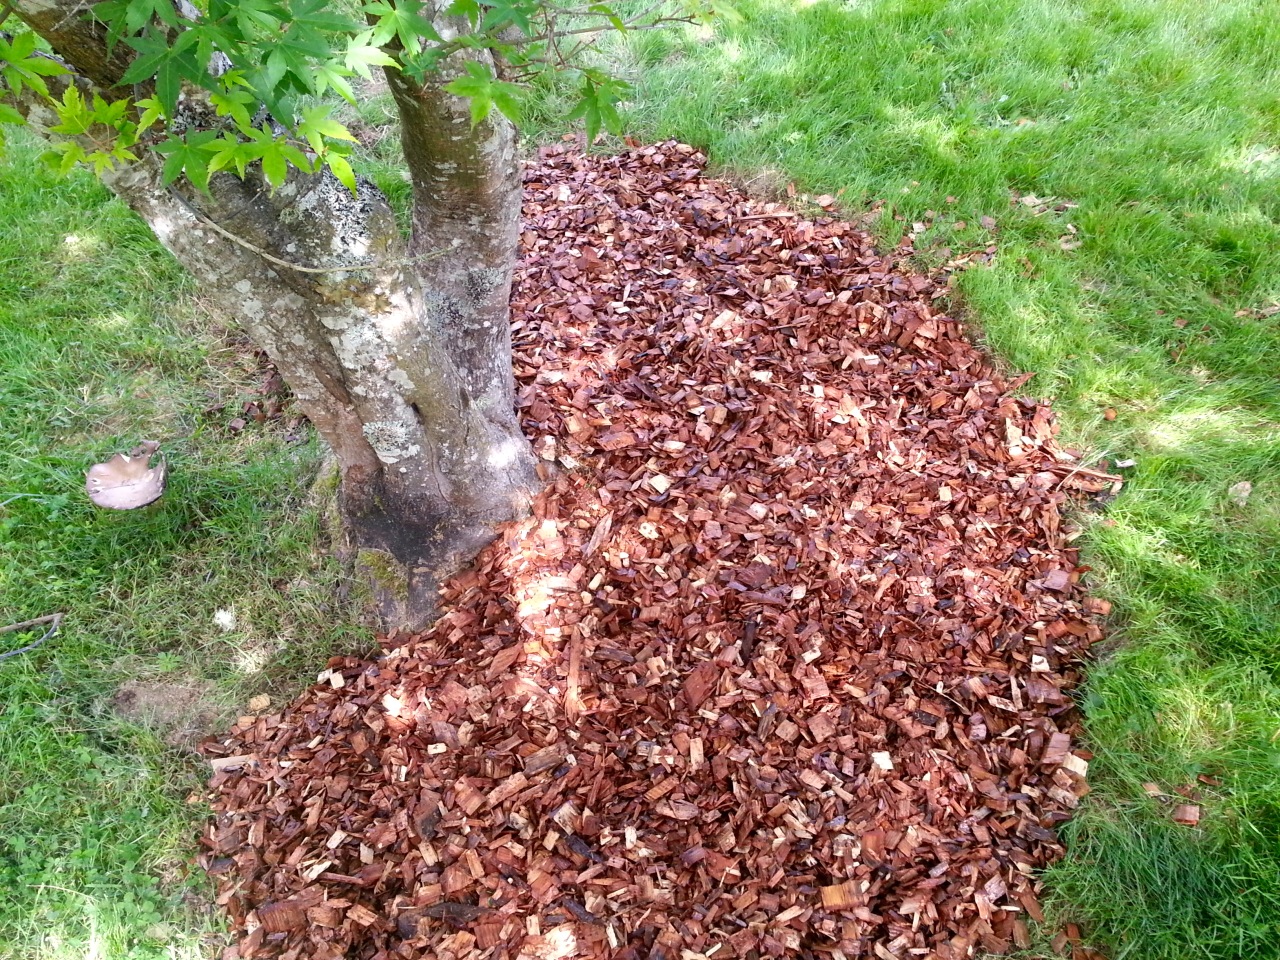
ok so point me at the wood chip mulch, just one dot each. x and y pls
(779, 668)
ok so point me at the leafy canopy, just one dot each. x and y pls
(244, 81)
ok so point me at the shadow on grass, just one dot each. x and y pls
(221, 591)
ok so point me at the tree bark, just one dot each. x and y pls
(404, 368)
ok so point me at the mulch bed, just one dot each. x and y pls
(779, 667)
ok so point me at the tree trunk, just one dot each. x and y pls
(404, 368)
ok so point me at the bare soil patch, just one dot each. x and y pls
(780, 667)
(181, 712)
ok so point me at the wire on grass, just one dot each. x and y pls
(53, 619)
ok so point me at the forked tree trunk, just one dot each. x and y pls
(403, 368)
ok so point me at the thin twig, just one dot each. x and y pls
(1083, 471)
(783, 215)
(792, 325)
(453, 46)
(346, 268)
(630, 26)
(53, 619)
(21, 496)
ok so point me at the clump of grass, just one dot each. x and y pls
(1154, 295)
(102, 344)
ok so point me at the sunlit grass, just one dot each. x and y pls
(1159, 120)
(101, 346)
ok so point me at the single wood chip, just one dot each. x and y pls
(841, 896)
(1056, 751)
(700, 682)
(362, 915)
(508, 788)
(240, 760)
(1188, 814)
(282, 917)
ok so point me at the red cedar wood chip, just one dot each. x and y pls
(857, 552)
(1187, 814)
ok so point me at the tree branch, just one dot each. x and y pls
(344, 268)
(636, 18)
(629, 25)
(81, 42)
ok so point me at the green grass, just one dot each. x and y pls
(102, 344)
(1160, 120)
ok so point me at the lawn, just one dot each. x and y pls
(1152, 299)
(1124, 160)
(102, 344)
